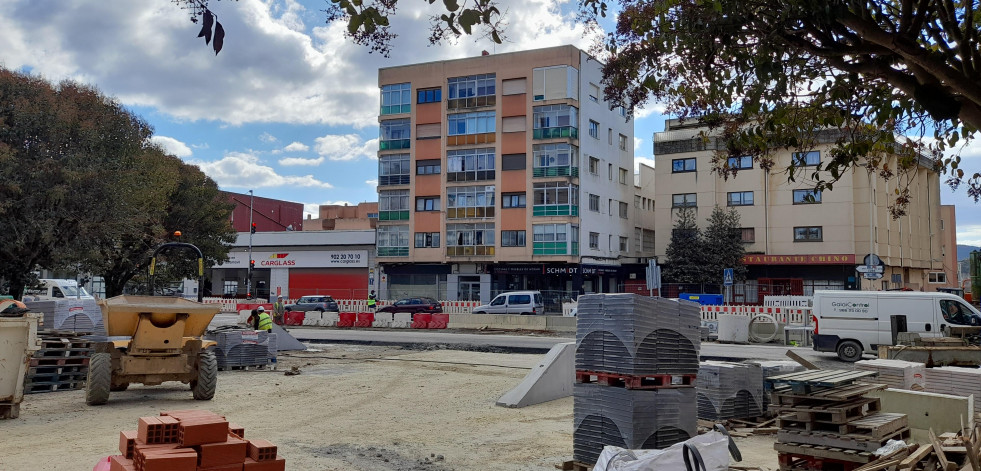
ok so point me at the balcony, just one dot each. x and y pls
(457, 104)
(479, 212)
(556, 172)
(393, 251)
(394, 144)
(393, 215)
(396, 109)
(555, 133)
(393, 180)
(556, 210)
(470, 250)
(555, 248)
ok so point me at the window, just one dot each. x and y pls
(469, 202)
(623, 210)
(808, 234)
(623, 176)
(393, 241)
(372, 215)
(427, 240)
(512, 238)
(427, 203)
(594, 203)
(393, 205)
(747, 234)
(682, 165)
(394, 134)
(803, 159)
(470, 239)
(594, 165)
(396, 98)
(470, 165)
(609, 171)
(471, 123)
(556, 239)
(593, 129)
(555, 83)
(684, 200)
(556, 160)
(594, 240)
(938, 277)
(623, 244)
(623, 142)
(594, 93)
(609, 136)
(740, 198)
(637, 201)
(555, 121)
(230, 287)
(429, 95)
(556, 199)
(621, 111)
(740, 163)
(393, 169)
(513, 161)
(471, 91)
(427, 167)
(807, 197)
(513, 200)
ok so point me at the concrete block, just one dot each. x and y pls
(941, 412)
(312, 318)
(553, 378)
(329, 319)
(243, 316)
(402, 320)
(560, 324)
(383, 319)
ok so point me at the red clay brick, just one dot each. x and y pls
(181, 459)
(170, 427)
(219, 454)
(236, 430)
(199, 431)
(227, 467)
(120, 463)
(127, 441)
(261, 450)
(189, 414)
(150, 430)
(278, 464)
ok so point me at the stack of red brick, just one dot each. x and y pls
(192, 440)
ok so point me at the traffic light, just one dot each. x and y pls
(253, 228)
(251, 264)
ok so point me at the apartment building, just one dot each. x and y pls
(798, 240)
(503, 172)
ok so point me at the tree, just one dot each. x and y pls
(686, 252)
(724, 246)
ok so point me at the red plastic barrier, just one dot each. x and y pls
(347, 319)
(439, 321)
(421, 321)
(365, 319)
(293, 317)
(250, 306)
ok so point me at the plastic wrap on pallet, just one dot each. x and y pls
(244, 348)
(897, 374)
(729, 390)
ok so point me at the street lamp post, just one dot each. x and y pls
(248, 278)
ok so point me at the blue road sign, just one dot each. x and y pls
(727, 276)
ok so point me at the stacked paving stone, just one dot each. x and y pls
(242, 348)
(728, 390)
(636, 361)
(192, 440)
(897, 374)
(955, 381)
(70, 315)
(775, 368)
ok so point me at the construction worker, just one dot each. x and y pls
(279, 310)
(371, 301)
(260, 320)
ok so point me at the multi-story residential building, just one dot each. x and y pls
(502, 172)
(797, 239)
(948, 237)
(336, 217)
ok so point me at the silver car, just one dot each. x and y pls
(514, 302)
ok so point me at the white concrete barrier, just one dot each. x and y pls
(383, 319)
(402, 320)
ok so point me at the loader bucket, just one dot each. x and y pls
(121, 313)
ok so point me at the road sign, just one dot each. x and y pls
(872, 259)
(727, 276)
(870, 269)
(871, 276)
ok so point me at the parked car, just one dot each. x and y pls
(514, 302)
(414, 305)
(314, 303)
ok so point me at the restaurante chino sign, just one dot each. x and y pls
(817, 259)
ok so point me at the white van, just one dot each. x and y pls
(48, 289)
(852, 322)
(514, 302)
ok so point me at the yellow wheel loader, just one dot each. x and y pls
(153, 339)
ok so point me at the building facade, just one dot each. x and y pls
(269, 215)
(796, 239)
(503, 172)
(337, 217)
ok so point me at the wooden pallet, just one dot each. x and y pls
(573, 466)
(785, 396)
(834, 413)
(875, 426)
(636, 381)
(9, 410)
(853, 442)
(824, 452)
(805, 382)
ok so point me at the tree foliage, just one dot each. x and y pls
(723, 246)
(686, 252)
(82, 189)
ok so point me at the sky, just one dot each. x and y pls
(289, 107)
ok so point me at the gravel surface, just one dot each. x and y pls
(351, 408)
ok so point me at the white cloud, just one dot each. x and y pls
(296, 147)
(296, 161)
(642, 160)
(172, 146)
(266, 137)
(345, 147)
(242, 170)
(649, 109)
(638, 142)
(371, 183)
(969, 234)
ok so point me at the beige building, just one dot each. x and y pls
(798, 240)
(503, 172)
(336, 217)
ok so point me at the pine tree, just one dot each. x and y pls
(723, 246)
(685, 254)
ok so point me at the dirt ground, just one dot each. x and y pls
(352, 408)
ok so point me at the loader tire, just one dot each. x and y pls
(99, 380)
(119, 387)
(206, 384)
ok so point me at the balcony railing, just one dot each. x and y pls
(555, 248)
(556, 171)
(394, 144)
(393, 215)
(393, 251)
(469, 250)
(556, 210)
(553, 133)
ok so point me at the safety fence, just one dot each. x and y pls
(785, 315)
(344, 305)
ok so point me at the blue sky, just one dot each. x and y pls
(288, 108)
